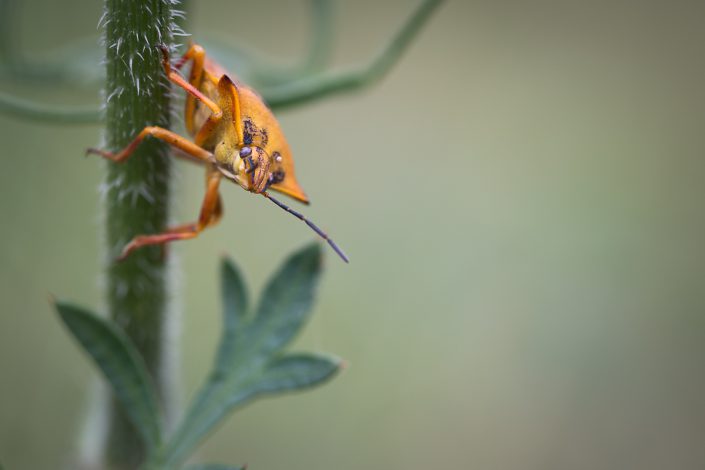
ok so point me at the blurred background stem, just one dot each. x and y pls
(137, 195)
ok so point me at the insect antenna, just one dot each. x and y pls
(313, 226)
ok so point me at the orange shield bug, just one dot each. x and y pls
(235, 135)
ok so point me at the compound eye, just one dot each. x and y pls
(245, 152)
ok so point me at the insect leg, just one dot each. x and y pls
(198, 55)
(190, 87)
(167, 136)
(211, 211)
(194, 52)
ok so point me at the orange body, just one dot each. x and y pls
(235, 135)
(252, 125)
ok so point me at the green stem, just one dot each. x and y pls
(26, 109)
(319, 51)
(137, 200)
(317, 86)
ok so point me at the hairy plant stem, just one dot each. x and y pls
(137, 200)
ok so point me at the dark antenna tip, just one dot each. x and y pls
(313, 226)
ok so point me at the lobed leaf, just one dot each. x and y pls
(286, 301)
(122, 367)
(249, 361)
(235, 309)
(234, 293)
(297, 371)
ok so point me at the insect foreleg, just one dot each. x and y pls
(197, 54)
(167, 136)
(211, 211)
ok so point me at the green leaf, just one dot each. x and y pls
(122, 367)
(234, 310)
(234, 294)
(286, 301)
(249, 362)
(296, 371)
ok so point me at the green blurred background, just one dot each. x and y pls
(522, 202)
